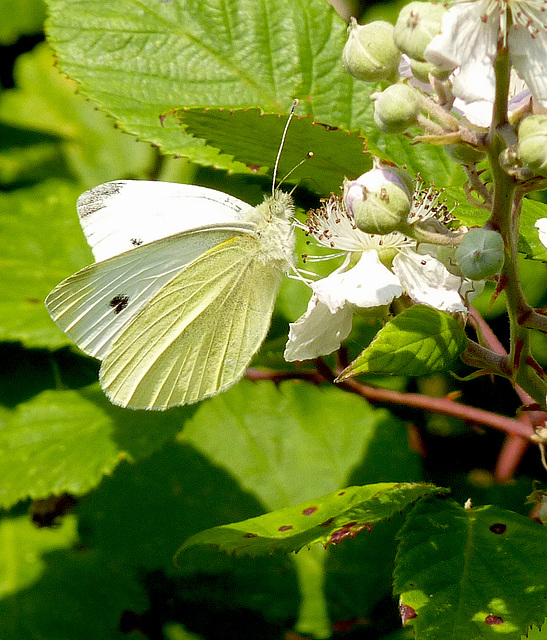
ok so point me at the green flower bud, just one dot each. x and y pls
(379, 200)
(421, 71)
(370, 53)
(532, 145)
(396, 108)
(464, 154)
(480, 254)
(418, 23)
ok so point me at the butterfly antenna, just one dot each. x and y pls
(291, 114)
(308, 156)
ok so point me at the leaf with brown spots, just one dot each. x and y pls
(326, 520)
(474, 573)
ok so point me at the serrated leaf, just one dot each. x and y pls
(418, 341)
(326, 520)
(42, 244)
(471, 574)
(208, 54)
(66, 441)
(253, 137)
(88, 145)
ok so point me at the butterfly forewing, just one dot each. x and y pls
(117, 216)
(94, 305)
(197, 335)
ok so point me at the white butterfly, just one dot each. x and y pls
(183, 290)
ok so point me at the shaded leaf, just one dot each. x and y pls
(24, 17)
(89, 146)
(418, 341)
(326, 520)
(471, 573)
(65, 441)
(253, 138)
(209, 54)
(22, 547)
(42, 244)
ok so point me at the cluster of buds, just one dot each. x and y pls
(434, 70)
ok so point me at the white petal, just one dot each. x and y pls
(468, 40)
(478, 113)
(318, 332)
(367, 284)
(428, 281)
(541, 226)
(470, 289)
(529, 57)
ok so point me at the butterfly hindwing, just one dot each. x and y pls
(197, 335)
(95, 305)
(118, 216)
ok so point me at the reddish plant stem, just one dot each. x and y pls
(444, 406)
(515, 446)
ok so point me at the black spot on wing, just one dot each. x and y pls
(119, 303)
(136, 242)
(94, 199)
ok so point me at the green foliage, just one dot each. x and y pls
(263, 467)
(418, 341)
(453, 566)
(326, 520)
(24, 17)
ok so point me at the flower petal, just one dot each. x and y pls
(367, 284)
(318, 332)
(468, 40)
(529, 57)
(541, 226)
(428, 281)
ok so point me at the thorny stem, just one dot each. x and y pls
(505, 216)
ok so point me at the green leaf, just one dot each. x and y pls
(66, 441)
(156, 58)
(529, 241)
(89, 146)
(22, 547)
(418, 341)
(326, 520)
(42, 244)
(472, 573)
(253, 138)
(24, 17)
(54, 590)
(29, 156)
(535, 633)
(293, 443)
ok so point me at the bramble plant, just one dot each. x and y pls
(286, 503)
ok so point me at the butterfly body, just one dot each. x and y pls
(182, 294)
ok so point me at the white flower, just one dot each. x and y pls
(469, 40)
(364, 281)
(541, 226)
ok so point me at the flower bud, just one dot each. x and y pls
(370, 53)
(532, 145)
(418, 23)
(480, 254)
(464, 154)
(396, 108)
(379, 200)
(421, 71)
